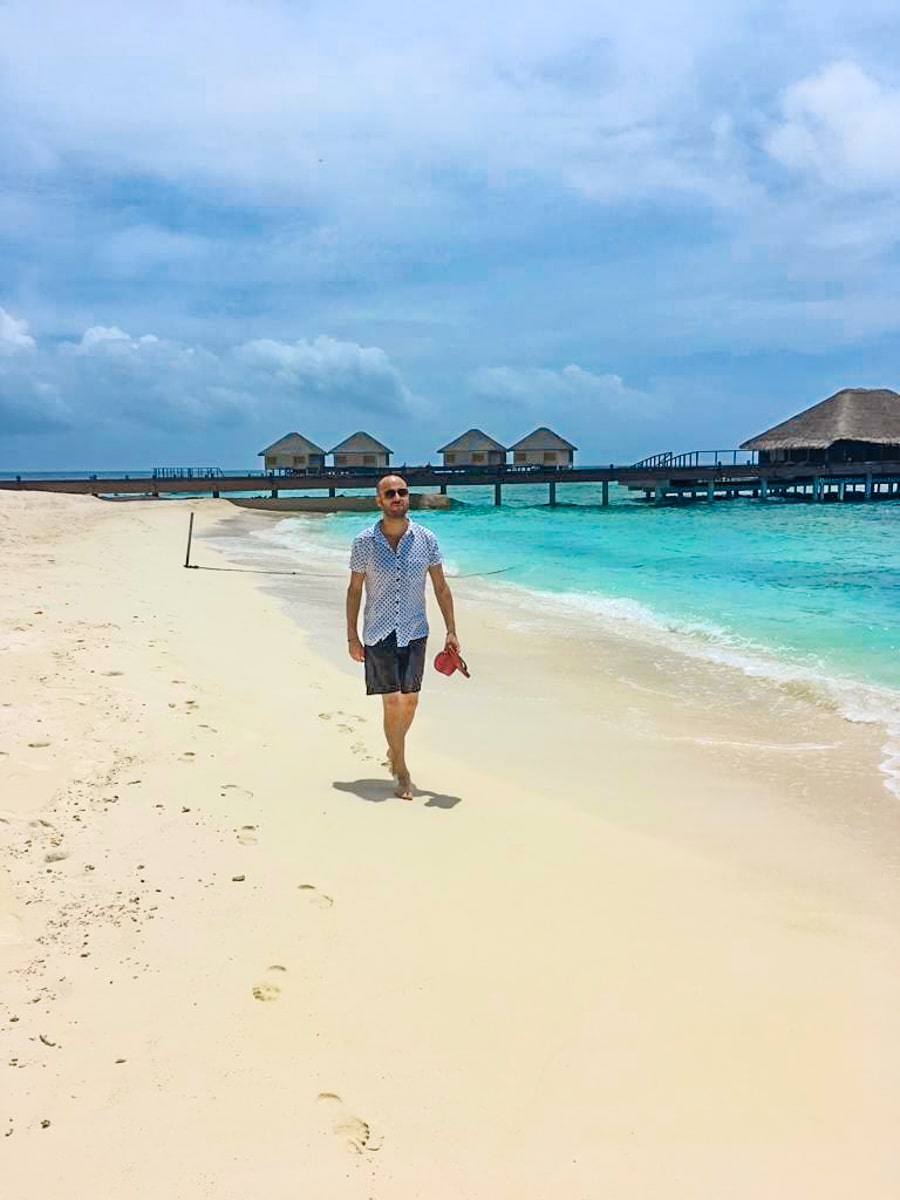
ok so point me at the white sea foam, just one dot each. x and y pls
(854, 700)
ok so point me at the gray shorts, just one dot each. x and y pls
(393, 668)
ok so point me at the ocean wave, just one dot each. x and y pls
(852, 699)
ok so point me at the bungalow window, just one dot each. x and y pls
(299, 460)
(520, 456)
(340, 460)
(369, 460)
(477, 457)
(549, 456)
(450, 459)
(271, 460)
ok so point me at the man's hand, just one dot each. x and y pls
(357, 649)
(452, 642)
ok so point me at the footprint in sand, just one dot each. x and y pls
(38, 745)
(187, 757)
(314, 896)
(241, 793)
(56, 856)
(112, 674)
(362, 750)
(247, 835)
(346, 722)
(353, 1132)
(269, 988)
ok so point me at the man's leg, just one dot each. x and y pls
(399, 710)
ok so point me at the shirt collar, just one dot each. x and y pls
(380, 532)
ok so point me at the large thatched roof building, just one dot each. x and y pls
(853, 425)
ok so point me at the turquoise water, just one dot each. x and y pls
(779, 588)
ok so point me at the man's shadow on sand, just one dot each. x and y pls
(376, 791)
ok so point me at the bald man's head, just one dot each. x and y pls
(392, 496)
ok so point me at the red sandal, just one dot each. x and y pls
(450, 660)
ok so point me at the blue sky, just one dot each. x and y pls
(652, 226)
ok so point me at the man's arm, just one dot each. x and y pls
(354, 596)
(445, 603)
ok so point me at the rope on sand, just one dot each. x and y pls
(306, 574)
(329, 575)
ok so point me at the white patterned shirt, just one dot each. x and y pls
(395, 582)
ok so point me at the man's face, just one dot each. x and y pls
(391, 504)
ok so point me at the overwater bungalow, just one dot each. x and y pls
(543, 447)
(361, 450)
(474, 448)
(853, 425)
(293, 452)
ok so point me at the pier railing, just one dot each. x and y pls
(188, 473)
(700, 458)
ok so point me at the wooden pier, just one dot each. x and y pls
(663, 479)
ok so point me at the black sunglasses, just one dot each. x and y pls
(390, 493)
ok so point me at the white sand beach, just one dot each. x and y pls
(636, 937)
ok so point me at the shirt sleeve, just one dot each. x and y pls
(359, 555)
(434, 552)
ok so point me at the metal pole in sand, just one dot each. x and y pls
(187, 557)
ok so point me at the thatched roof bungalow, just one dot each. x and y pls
(361, 450)
(853, 425)
(543, 447)
(293, 452)
(474, 448)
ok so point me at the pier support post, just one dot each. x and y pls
(817, 489)
(869, 487)
(331, 493)
(498, 499)
(605, 500)
(215, 495)
(658, 494)
(274, 493)
(553, 493)
(763, 489)
(443, 489)
(842, 490)
(710, 491)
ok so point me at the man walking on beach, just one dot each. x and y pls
(392, 559)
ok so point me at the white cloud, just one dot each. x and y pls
(311, 102)
(362, 375)
(539, 390)
(109, 377)
(109, 339)
(842, 126)
(29, 401)
(210, 169)
(14, 335)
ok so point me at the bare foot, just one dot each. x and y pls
(404, 788)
